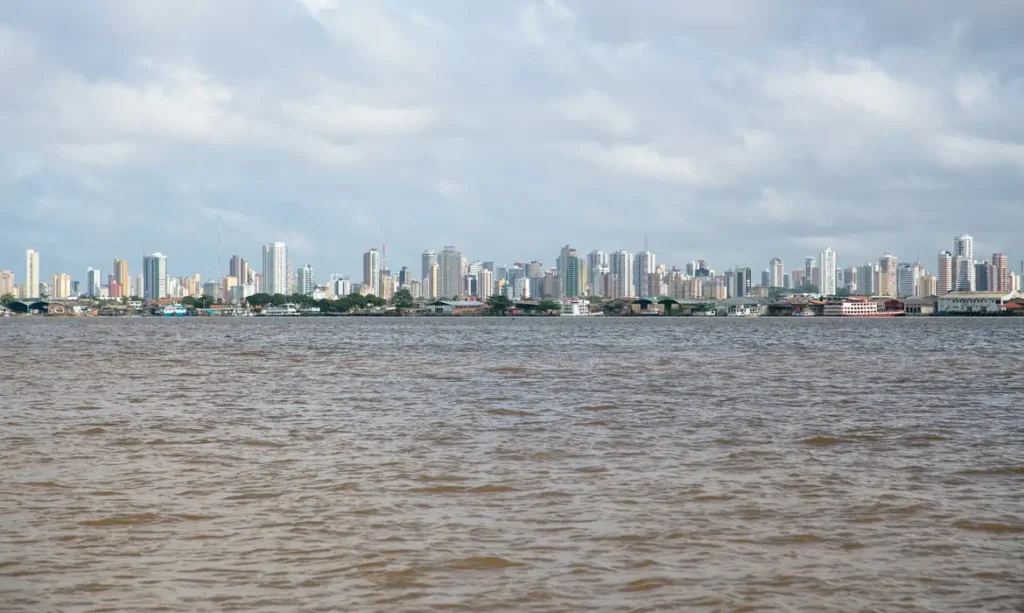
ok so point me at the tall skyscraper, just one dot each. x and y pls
(93, 283)
(428, 259)
(944, 276)
(275, 268)
(61, 286)
(371, 271)
(154, 270)
(907, 281)
(927, 286)
(124, 281)
(433, 276)
(484, 284)
(449, 273)
(620, 265)
(643, 265)
(809, 267)
(1001, 273)
(963, 246)
(775, 273)
(886, 276)
(305, 283)
(597, 264)
(741, 281)
(984, 277)
(6, 282)
(239, 268)
(828, 272)
(866, 282)
(31, 273)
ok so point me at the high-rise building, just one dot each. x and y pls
(1001, 273)
(766, 278)
(239, 269)
(371, 271)
(449, 280)
(433, 276)
(984, 277)
(305, 283)
(61, 286)
(124, 281)
(809, 268)
(620, 265)
(886, 276)
(963, 247)
(31, 273)
(743, 281)
(154, 270)
(428, 259)
(597, 264)
(944, 275)
(828, 272)
(404, 277)
(907, 281)
(275, 268)
(866, 280)
(643, 265)
(533, 270)
(797, 279)
(850, 278)
(93, 283)
(6, 282)
(775, 273)
(927, 286)
(787, 283)
(484, 284)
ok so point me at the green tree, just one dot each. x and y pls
(403, 299)
(499, 304)
(7, 299)
(547, 306)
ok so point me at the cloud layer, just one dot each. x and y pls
(733, 132)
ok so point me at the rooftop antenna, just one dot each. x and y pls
(645, 241)
(218, 249)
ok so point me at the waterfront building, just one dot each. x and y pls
(1001, 281)
(93, 283)
(828, 272)
(6, 282)
(61, 286)
(154, 270)
(620, 265)
(449, 273)
(963, 249)
(776, 274)
(31, 273)
(974, 303)
(575, 307)
(484, 284)
(886, 276)
(275, 268)
(944, 275)
(305, 283)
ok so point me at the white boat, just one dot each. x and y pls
(174, 310)
(285, 310)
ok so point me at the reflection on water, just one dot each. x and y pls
(511, 464)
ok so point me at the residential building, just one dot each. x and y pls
(766, 278)
(433, 276)
(371, 271)
(227, 284)
(828, 272)
(944, 274)
(850, 279)
(742, 282)
(597, 264)
(787, 283)
(449, 273)
(643, 265)
(61, 286)
(404, 277)
(886, 276)
(428, 259)
(484, 284)
(305, 283)
(571, 271)
(1001, 273)
(984, 274)
(533, 270)
(124, 280)
(906, 281)
(927, 286)
(31, 273)
(620, 265)
(776, 274)
(809, 268)
(239, 269)
(93, 283)
(154, 270)
(797, 278)
(342, 286)
(963, 248)
(275, 268)
(6, 282)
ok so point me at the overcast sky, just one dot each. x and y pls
(732, 131)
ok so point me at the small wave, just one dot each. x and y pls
(597, 422)
(508, 412)
(45, 484)
(438, 489)
(261, 443)
(92, 431)
(644, 585)
(997, 527)
(712, 498)
(254, 496)
(790, 539)
(123, 520)
(599, 407)
(508, 370)
(491, 489)
(484, 563)
(999, 470)
(822, 440)
(592, 469)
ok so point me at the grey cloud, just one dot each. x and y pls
(732, 131)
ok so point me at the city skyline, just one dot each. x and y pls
(775, 129)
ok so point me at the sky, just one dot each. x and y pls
(731, 131)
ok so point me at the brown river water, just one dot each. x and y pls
(511, 464)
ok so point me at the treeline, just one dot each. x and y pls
(339, 305)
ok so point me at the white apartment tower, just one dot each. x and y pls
(428, 259)
(944, 275)
(305, 283)
(31, 273)
(154, 271)
(275, 268)
(449, 282)
(643, 265)
(775, 273)
(886, 276)
(371, 271)
(620, 265)
(828, 272)
(963, 248)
